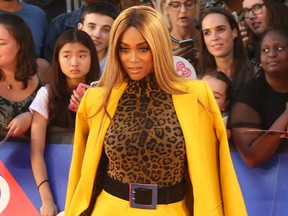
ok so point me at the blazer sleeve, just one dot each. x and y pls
(233, 202)
(79, 144)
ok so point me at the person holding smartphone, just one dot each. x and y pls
(74, 61)
(181, 17)
(96, 20)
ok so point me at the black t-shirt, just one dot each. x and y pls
(257, 105)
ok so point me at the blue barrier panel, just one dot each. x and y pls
(16, 158)
(265, 189)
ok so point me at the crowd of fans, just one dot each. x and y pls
(243, 56)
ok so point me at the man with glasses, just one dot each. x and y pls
(255, 13)
(260, 16)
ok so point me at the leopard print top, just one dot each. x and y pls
(144, 143)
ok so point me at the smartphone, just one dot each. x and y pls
(81, 88)
(187, 42)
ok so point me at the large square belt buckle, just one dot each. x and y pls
(143, 196)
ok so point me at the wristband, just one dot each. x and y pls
(46, 180)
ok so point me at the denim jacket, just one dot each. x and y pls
(60, 24)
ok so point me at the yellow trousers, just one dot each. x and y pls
(109, 205)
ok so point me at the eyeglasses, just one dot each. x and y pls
(256, 9)
(176, 6)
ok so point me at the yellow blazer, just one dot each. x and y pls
(216, 191)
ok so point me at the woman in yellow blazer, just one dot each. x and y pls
(139, 83)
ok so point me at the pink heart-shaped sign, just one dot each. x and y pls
(182, 69)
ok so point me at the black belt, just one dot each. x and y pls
(145, 196)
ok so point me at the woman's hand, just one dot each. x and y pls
(20, 124)
(75, 99)
(48, 209)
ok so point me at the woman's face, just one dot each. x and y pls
(219, 89)
(135, 54)
(256, 16)
(9, 48)
(181, 13)
(75, 61)
(218, 35)
(274, 54)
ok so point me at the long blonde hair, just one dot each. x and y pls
(151, 25)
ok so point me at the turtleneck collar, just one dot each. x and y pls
(143, 86)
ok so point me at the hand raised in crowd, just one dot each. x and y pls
(75, 99)
(243, 32)
(190, 53)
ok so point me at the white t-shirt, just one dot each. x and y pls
(40, 102)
